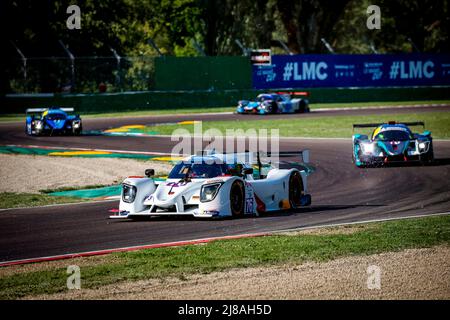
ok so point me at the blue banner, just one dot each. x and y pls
(359, 70)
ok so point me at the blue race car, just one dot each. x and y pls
(272, 103)
(392, 142)
(53, 120)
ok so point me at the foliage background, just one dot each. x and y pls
(197, 27)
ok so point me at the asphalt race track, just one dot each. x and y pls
(340, 192)
(14, 133)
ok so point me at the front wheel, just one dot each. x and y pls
(295, 190)
(77, 131)
(429, 156)
(237, 199)
(303, 107)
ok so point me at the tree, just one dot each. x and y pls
(307, 21)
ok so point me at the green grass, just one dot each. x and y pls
(19, 200)
(238, 253)
(375, 104)
(166, 111)
(327, 127)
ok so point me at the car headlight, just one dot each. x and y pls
(38, 124)
(209, 191)
(423, 146)
(128, 193)
(76, 124)
(367, 148)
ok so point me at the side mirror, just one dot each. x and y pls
(426, 133)
(247, 171)
(149, 172)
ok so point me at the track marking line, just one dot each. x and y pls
(433, 105)
(202, 240)
(331, 225)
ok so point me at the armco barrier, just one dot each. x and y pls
(157, 100)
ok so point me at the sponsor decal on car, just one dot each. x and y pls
(249, 201)
(210, 212)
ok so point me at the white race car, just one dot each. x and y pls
(216, 185)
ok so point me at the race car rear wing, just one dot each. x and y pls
(295, 93)
(372, 125)
(303, 154)
(39, 110)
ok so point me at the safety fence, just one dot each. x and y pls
(81, 74)
(108, 84)
(166, 100)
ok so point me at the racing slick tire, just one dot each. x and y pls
(30, 132)
(77, 132)
(295, 189)
(302, 107)
(361, 164)
(428, 158)
(272, 108)
(237, 199)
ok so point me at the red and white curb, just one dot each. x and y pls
(150, 153)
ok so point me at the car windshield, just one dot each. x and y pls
(264, 98)
(198, 170)
(393, 135)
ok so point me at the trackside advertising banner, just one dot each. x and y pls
(336, 70)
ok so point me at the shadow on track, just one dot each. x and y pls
(318, 209)
(435, 163)
(440, 162)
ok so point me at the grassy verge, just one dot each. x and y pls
(239, 253)
(327, 127)
(21, 117)
(18, 200)
(375, 104)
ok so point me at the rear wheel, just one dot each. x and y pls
(295, 189)
(303, 107)
(237, 199)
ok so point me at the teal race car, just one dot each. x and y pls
(392, 142)
(275, 103)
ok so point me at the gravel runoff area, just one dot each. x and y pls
(408, 274)
(29, 174)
